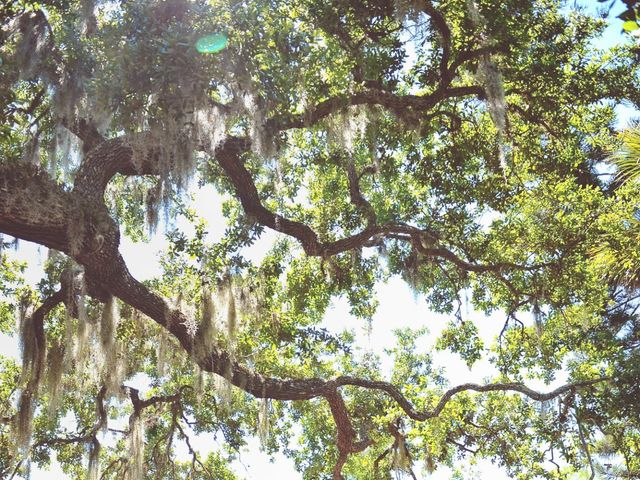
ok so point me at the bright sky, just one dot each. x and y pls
(398, 308)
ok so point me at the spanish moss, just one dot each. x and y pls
(82, 345)
(68, 339)
(93, 467)
(263, 422)
(28, 343)
(232, 315)
(135, 449)
(163, 347)
(222, 387)
(401, 460)
(114, 371)
(32, 45)
(491, 79)
(55, 369)
(23, 422)
(345, 128)
(538, 320)
(62, 146)
(31, 152)
(108, 324)
(261, 142)
(210, 127)
(154, 199)
(198, 381)
(208, 327)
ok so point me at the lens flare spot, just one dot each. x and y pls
(213, 43)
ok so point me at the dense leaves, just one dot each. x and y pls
(463, 146)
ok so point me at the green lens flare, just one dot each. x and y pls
(213, 43)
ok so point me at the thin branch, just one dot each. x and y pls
(194, 455)
(468, 55)
(410, 410)
(112, 465)
(356, 195)
(585, 446)
(379, 458)
(91, 433)
(461, 446)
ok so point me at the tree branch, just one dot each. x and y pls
(444, 31)
(229, 156)
(414, 414)
(90, 436)
(397, 104)
(86, 131)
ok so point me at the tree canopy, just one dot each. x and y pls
(461, 145)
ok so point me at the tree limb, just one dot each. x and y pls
(397, 104)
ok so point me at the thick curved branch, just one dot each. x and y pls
(229, 156)
(469, 55)
(110, 157)
(105, 266)
(116, 278)
(138, 404)
(33, 207)
(397, 104)
(347, 443)
(444, 31)
(86, 131)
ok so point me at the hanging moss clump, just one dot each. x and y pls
(28, 344)
(135, 470)
(108, 324)
(491, 79)
(114, 370)
(232, 315)
(93, 467)
(263, 422)
(55, 369)
(33, 356)
(208, 328)
(161, 355)
(23, 422)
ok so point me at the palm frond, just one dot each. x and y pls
(627, 158)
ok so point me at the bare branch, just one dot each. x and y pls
(346, 441)
(111, 157)
(585, 447)
(356, 195)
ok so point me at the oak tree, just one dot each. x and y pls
(458, 144)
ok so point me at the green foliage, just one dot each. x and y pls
(501, 194)
(463, 340)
